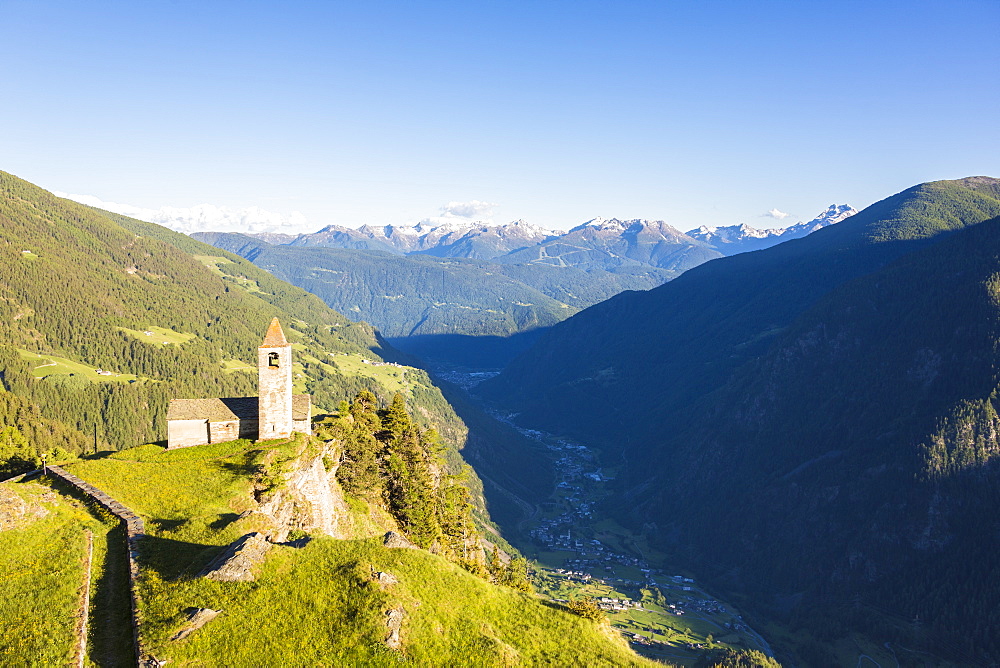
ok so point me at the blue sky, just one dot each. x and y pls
(698, 113)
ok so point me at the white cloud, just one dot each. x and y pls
(462, 214)
(776, 214)
(206, 217)
(473, 209)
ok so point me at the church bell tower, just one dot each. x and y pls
(274, 375)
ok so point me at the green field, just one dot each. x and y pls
(159, 335)
(42, 574)
(50, 365)
(238, 365)
(451, 617)
(213, 262)
(318, 603)
(392, 378)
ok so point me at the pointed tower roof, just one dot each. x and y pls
(274, 337)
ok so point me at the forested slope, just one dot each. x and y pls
(82, 290)
(815, 423)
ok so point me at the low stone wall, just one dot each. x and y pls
(19, 478)
(134, 530)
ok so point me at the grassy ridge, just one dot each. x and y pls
(318, 604)
(42, 574)
(452, 618)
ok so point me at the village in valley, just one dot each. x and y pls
(579, 555)
(663, 615)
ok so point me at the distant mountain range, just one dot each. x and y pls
(459, 293)
(450, 309)
(742, 238)
(608, 244)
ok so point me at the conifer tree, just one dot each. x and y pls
(16, 455)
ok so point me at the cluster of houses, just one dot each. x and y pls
(463, 379)
(373, 363)
(575, 576)
(617, 604)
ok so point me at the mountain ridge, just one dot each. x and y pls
(811, 422)
(491, 242)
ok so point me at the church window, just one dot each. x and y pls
(272, 359)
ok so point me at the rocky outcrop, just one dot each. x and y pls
(15, 512)
(394, 623)
(384, 579)
(393, 539)
(310, 500)
(197, 619)
(236, 562)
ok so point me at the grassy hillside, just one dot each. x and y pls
(90, 287)
(80, 289)
(813, 423)
(45, 540)
(318, 604)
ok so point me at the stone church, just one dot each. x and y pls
(275, 413)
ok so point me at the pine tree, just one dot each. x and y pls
(16, 455)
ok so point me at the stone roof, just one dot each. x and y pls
(232, 408)
(213, 410)
(274, 337)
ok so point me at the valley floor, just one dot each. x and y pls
(664, 615)
(576, 553)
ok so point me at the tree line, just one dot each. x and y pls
(388, 459)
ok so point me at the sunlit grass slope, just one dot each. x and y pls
(317, 605)
(42, 571)
(182, 493)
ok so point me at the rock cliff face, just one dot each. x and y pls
(310, 500)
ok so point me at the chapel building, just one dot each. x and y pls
(274, 413)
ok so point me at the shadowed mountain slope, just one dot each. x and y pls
(814, 423)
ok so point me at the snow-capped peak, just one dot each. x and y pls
(743, 237)
(834, 214)
(613, 225)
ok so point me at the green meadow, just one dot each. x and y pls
(42, 576)
(159, 335)
(318, 604)
(43, 366)
(213, 262)
(392, 378)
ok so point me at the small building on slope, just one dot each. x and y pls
(274, 413)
